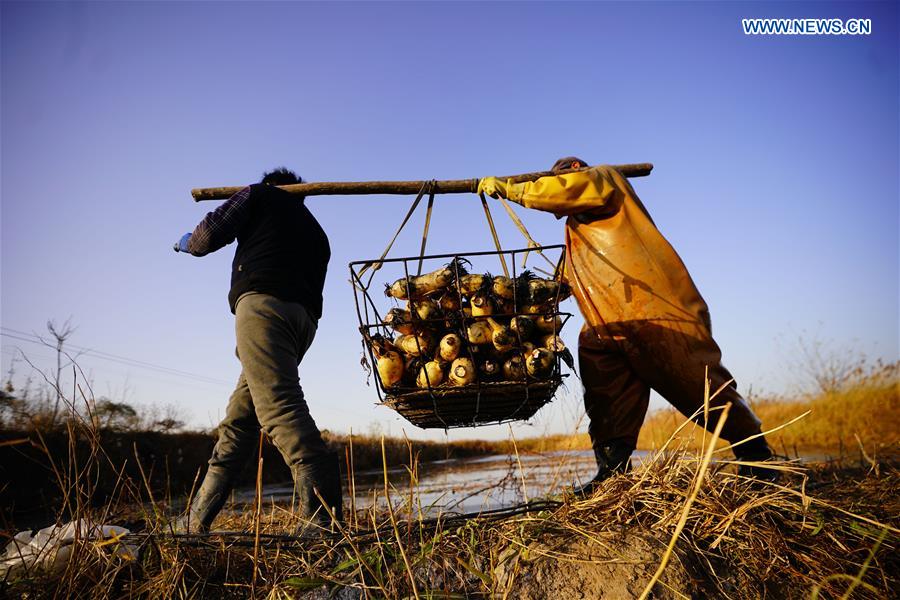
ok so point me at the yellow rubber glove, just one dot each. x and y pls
(493, 187)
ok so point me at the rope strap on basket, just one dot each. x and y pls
(427, 224)
(490, 221)
(524, 231)
(427, 186)
(482, 397)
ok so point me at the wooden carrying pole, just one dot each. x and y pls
(450, 186)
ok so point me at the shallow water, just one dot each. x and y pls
(466, 485)
(471, 484)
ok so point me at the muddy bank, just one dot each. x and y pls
(578, 569)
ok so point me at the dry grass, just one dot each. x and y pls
(830, 531)
(863, 410)
(736, 541)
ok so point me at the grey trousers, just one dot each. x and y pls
(272, 337)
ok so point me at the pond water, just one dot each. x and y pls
(472, 484)
(465, 485)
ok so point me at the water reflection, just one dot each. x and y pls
(466, 485)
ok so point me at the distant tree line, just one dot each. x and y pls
(46, 407)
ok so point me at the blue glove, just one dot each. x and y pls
(182, 244)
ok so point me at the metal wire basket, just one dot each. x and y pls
(484, 401)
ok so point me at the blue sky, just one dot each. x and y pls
(776, 172)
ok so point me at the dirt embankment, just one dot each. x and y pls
(582, 569)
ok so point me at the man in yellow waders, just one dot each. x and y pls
(646, 325)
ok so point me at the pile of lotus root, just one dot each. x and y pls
(459, 328)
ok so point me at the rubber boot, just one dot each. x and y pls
(613, 458)
(321, 475)
(756, 450)
(207, 503)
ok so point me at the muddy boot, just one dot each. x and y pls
(323, 475)
(207, 503)
(613, 458)
(756, 450)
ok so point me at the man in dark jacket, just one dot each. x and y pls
(276, 296)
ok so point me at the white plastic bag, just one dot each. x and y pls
(50, 548)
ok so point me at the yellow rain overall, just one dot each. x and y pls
(646, 325)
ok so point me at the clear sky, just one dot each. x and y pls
(776, 172)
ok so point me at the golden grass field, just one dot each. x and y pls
(864, 410)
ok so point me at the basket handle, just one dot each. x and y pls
(490, 221)
(426, 186)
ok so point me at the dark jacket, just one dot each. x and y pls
(282, 250)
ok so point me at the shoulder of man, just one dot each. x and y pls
(271, 191)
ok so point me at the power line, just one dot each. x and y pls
(116, 358)
(125, 361)
(16, 352)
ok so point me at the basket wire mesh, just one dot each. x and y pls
(482, 402)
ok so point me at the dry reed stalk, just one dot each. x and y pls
(413, 482)
(519, 462)
(257, 514)
(855, 581)
(349, 537)
(351, 478)
(698, 482)
(390, 509)
(764, 433)
(865, 455)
